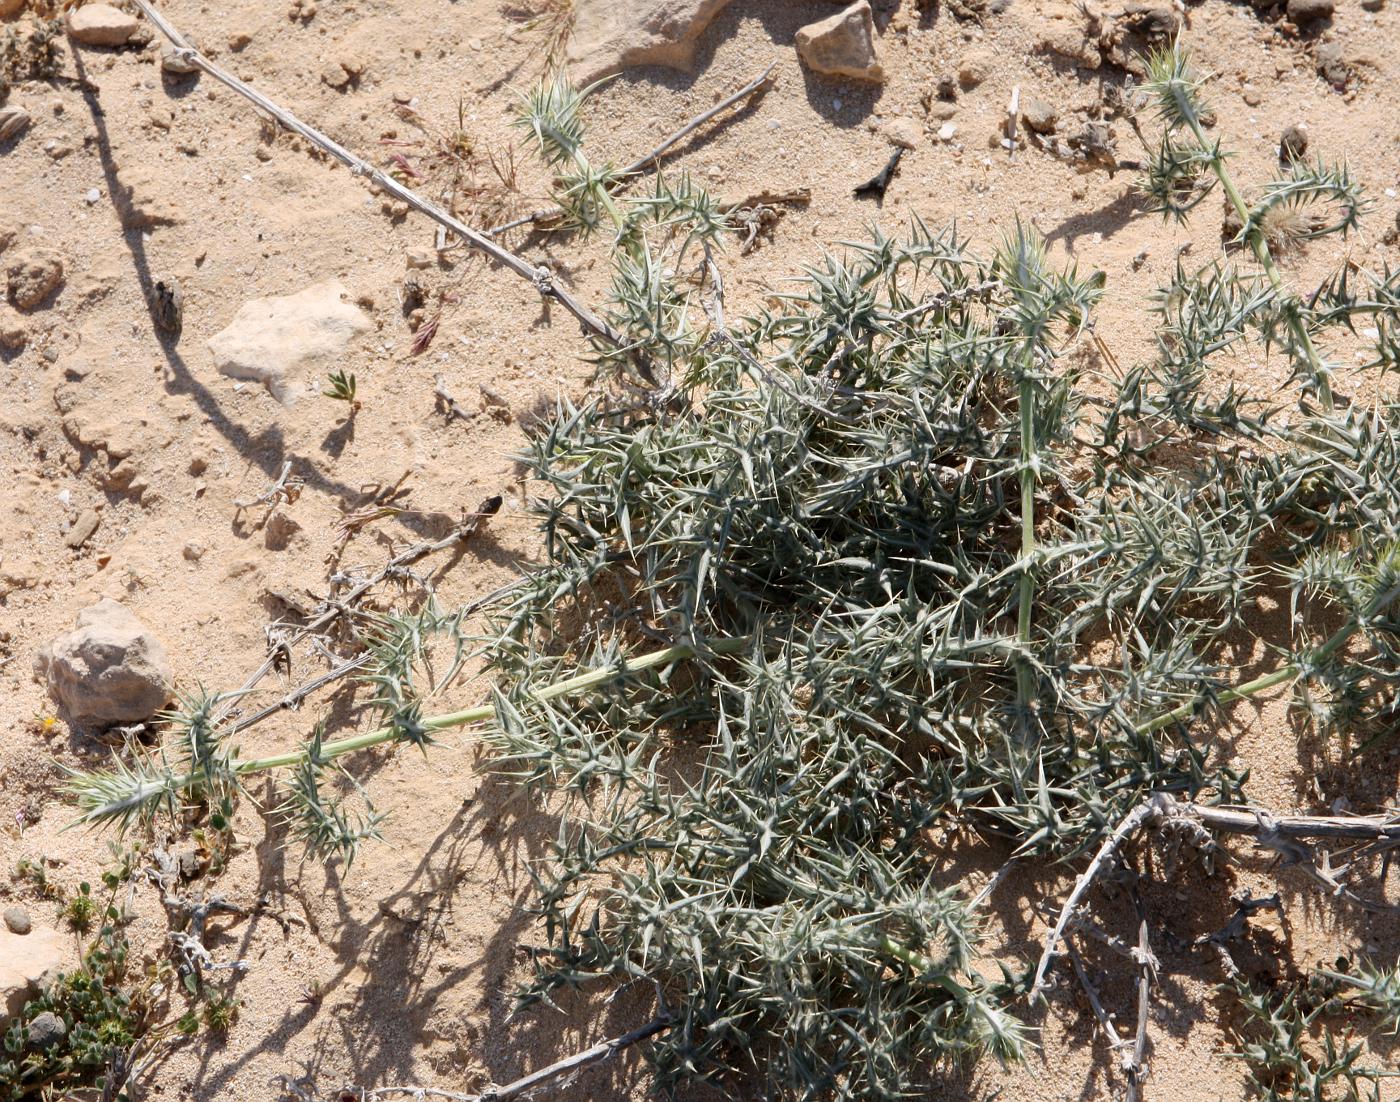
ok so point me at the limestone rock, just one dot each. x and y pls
(32, 276)
(109, 669)
(610, 35)
(24, 958)
(842, 44)
(101, 25)
(270, 340)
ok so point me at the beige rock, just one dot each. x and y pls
(1039, 116)
(24, 958)
(905, 133)
(32, 276)
(610, 35)
(101, 25)
(109, 669)
(83, 528)
(174, 62)
(270, 340)
(9, 9)
(842, 44)
(13, 335)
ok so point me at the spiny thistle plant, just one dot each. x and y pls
(876, 567)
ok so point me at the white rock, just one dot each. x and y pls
(101, 25)
(842, 44)
(271, 340)
(24, 958)
(109, 669)
(610, 35)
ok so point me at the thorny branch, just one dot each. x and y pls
(331, 609)
(757, 86)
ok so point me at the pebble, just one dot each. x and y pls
(1039, 116)
(946, 132)
(1332, 65)
(1293, 143)
(1304, 12)
(175, 63)
(83, 528)
(17, 920)
(92, 196)
(46, 1030)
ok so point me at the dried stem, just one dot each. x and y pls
(539, 277)
(759, 84)
(1130, 824)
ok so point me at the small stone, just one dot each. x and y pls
(174, 62)
(239, 40)
(58, 147)
(610, 35)
(271, 338)
(193, 552)
(109, 669)
(101, 25)
(1039, 116)
(13, 335)
(46, 1030)
(1304, 12)
(1251, 96)
(842, 44)
(93, 196)
(946, 132)
(947, 87)
(83, 528)
(334, 76)
(1293, 143)
(1332, 65)
(14, 121)
(17, 920)
(419, 256)
(32, 276)
(974, 69)
(905, 133)
(1372, 5)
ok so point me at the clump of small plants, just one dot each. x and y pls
(901, 559)
(96, 1028)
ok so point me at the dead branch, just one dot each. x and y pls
(1150, 808)
(284, 488)
(447, 403)
(333, 607)
(758, 84)
(304, 1090)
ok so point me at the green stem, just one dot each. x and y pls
(1025, 675)
(1260, 248)
(482, 712)
(1280, 676)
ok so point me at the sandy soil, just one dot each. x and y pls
(403, 970)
